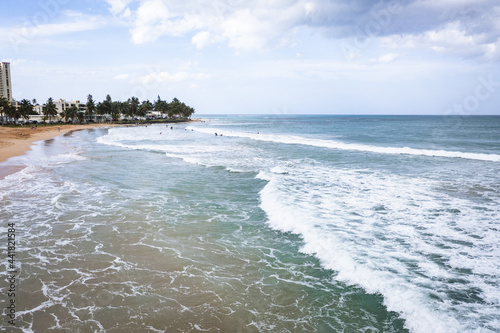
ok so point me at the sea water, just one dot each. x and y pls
(275, 224)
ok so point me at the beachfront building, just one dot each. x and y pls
(62, 105)
(5, 81)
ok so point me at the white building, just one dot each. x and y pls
(5, 81)
(62, 105)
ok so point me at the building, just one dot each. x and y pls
(62, 105)
(5, 81)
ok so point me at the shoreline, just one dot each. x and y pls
(17, 141)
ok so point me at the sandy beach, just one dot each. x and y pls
(16, 141)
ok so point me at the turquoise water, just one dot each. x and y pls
(280, 224)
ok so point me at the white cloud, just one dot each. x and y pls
(32, 31)
(70, 22)
(385, 59)
(118, 6)
(127, 13)
(121, 77)
(202, 39)
(245, 31)
(450, 39)
(243, 26)
(165, 77)
(148, 16)
(264, 25)
(154, 19)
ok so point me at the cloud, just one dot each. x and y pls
(154, 18)
(165, 77)
(385, 59)
(118, 6)
(450, 39)
(242, 26)
(70, 22)
(202, 39)
(261, 24)
(121, 77)
(30, 31)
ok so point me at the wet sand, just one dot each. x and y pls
(16, 141)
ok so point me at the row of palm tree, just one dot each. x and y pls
(130, 109)
(25, 109)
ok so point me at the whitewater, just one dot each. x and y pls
(263, 223)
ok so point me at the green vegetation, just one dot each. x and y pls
(49, 109)
(129, 111)
(7, 111)
(70, 113)
(24, 110)
(90, 107)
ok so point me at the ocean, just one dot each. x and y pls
(279, 223)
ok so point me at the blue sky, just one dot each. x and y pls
(274, 56)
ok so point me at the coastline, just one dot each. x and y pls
(17, 141)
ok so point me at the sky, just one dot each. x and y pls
(438, 57)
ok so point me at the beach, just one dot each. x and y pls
(277, 224)
(14, 141)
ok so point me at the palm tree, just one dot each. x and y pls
(12, 112)
(81, 116)
(90, 106)
(134, 106)
(161, 106)
(116, 109)
(25, 109)
(124, 108)
(174, 107)
(187, 111)
(4, 105)
(49, 109)
(145, 107)
(100, 109)
(69, 113)
(104, 107)
(107, 103)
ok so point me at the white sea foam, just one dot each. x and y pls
(298, 140)
(234, 158)
(404, 237)
(356, 223)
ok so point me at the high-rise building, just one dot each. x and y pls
(5, 81)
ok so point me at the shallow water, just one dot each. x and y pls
(283, 224)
